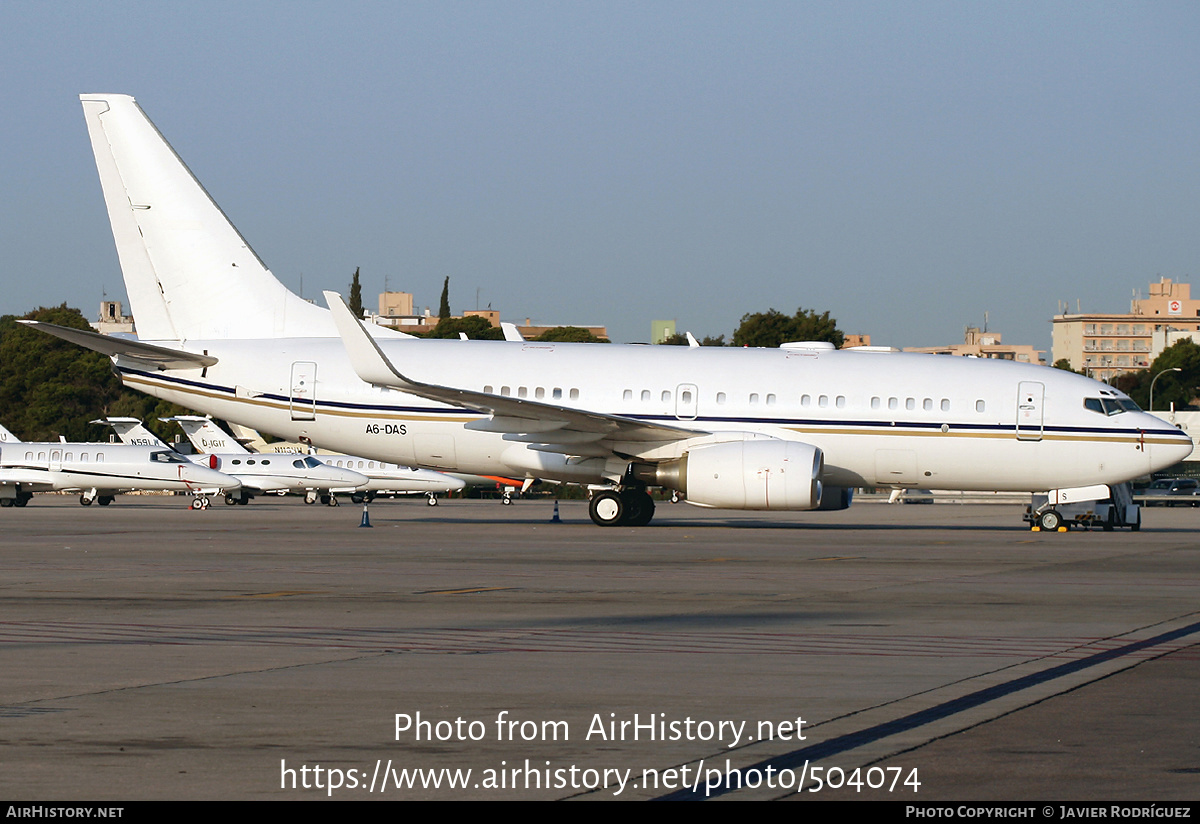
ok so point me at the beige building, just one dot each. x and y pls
(113, 318)
(1107, 345)
(979, 344)
(396, 311)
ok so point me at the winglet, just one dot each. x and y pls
(366, 357)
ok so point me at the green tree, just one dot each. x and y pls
(477, 328)
(772, 328)
(1064, 364)
(1179, 388)
(444, 305)
(681, 340)
(569, 334)
(49, 387)
(356, 306)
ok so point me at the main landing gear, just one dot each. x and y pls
(626, 507)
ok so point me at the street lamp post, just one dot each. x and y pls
(1156, 377)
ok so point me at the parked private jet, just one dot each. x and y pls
(379, 477)
(258, 474)
(793, 428)
(98, 471)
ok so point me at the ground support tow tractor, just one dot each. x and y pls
(1087, 507)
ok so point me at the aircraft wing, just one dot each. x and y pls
(525, 421)
(155, 357)
(26, 478)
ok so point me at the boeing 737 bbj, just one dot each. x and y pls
(793, 428)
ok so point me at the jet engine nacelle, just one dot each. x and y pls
(756, 474)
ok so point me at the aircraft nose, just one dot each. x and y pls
(203, 476)
(1167, 443)
(352, 479)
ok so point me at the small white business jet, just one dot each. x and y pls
(379, 477)
(258, 474)
(98, 471)
(794, 428)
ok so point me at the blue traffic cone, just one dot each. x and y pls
(366, 521)
(556, 519)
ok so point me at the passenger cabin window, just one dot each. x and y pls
(980, 406)
(806, 400)
(753, 398)
(945, 404)
(840, 401)
(627, 395)
(770, 400)
(574, 394)
(646, 396)
(875, 403)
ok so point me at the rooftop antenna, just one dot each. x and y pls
(985, 321)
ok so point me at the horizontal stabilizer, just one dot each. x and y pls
(155, 357)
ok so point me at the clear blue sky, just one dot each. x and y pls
(907, 166)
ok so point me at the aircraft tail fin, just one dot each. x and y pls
(188, 272)
(206, 436)
(133, 431)
(8, 437)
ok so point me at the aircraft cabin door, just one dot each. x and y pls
(304, 391)
(685, 401)
(1030, 402)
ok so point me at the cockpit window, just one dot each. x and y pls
(1110, 406)
(167, 457)
(312, 463)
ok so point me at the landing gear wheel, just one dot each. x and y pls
(7, 502)
(333, 501)
(506, 499)
(104, 500)
(230, 500)
(431, 500)
(199, 503)
(357, 498)
(1050, 521)
(639, 507)
(606, 509)
(22, 498)
(310, 497)
(84, 500)
(243, 500)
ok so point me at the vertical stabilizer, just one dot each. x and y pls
(188, 272)
(206, 436)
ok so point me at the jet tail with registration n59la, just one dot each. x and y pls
(793, 428)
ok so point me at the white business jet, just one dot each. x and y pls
(794, 428)
(98, 471)
(258, 474)
(377, 476)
